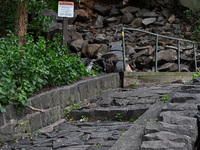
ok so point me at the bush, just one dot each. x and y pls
(29, 68)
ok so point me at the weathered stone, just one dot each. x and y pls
(137, 22)
(92, 50)
(183, 97)
(148, 21)
(33, 119)
(51, 13)
(82, 15)
(76, 36)
(102, 10)
(114, 12)
(150, 14)
(127, 18)
(188, 130)
(170, 67)
(140, 53)
(164, 145)
(61, 142)
(168, 136)
(76, 45)
(171, 19)
(178, 120)
(99, 22)
(101, 39)
(54, 28)
(116, 46)
(130, 9)
(141, 12)
(167, 55)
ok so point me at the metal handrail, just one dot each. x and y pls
(157, 39)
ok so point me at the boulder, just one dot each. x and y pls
(82, 15)
(127, 18)
(76, 45)
(137, 22)
(102, 10)
(167, 55)
(129, 9)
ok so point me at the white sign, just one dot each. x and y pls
(65, 9)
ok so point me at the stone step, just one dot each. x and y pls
(110, 113)
(163, 145)
(169, 136)
(188, 130)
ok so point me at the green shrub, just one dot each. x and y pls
(25, 70)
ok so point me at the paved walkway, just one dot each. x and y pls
(118, 120)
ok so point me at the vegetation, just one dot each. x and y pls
(165, 98)
(196, 74)
(27, 69)
(28, 61)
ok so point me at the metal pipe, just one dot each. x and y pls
(179, 57)
(156, 55)
(158, 34)
(195, 57)
(123, 50)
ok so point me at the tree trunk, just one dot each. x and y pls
(22, 19)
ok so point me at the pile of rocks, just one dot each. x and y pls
(95, 32)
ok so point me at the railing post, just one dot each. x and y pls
(156, 55)
(195, 57)
(123, 50)
(179, 57)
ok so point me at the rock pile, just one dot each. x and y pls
(95, 32)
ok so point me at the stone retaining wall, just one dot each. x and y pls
(20, 123)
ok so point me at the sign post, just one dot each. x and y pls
(65, 10)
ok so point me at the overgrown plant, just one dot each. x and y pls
(196, 74)
(164, 98)
(29, 68)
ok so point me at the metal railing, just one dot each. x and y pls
(156, 52)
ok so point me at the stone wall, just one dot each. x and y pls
(17, 123)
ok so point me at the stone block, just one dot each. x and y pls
(135, 113)
(178, 120)
(1, 119)
(35, 121)
(64, 97)
(46, 100)
(163, 145)
(22, 126)
(118, 113)
(188, 130)
(168, 136)
(179, 107)
(183, 97)
(35, 101)
(54, 114)
(55, 95)
(45, 118)
(83, 90)
(101, 114)
(7, 133)
(61, 142)
(78, 114)
(75, 97)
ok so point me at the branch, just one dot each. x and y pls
(36, 109)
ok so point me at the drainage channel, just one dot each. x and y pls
(100, 124)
